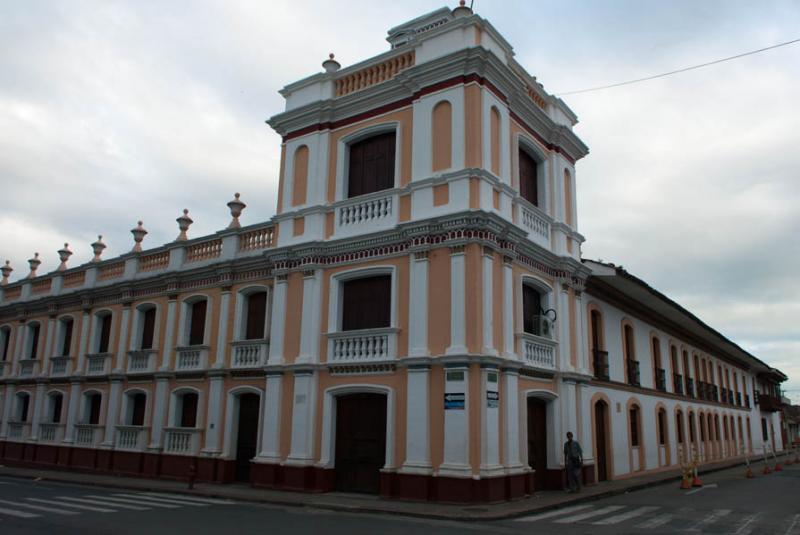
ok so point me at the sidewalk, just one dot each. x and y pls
(541, 501)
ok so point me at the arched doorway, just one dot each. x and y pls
(601, 439)
(537, 441)
(247, 434)
(360, 441)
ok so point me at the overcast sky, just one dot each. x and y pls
(112, 112)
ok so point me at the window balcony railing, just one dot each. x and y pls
(661, 379)
(142, 360)
(366, 213)
(600, 362)
(191, 358)
(690, 387)
(538, 351)
(701, 390)
(131, 437)
(367, 345)
(19, 431)
(536, 223)
(59, 366)
(98, 363)
(88, 434)
(769, 403)
(49, 432)
(182, 440)
(677, 383)
(634, 377)
(28, 367)
(714, 392)
(738, 399)
(747, 400)
(249, 353)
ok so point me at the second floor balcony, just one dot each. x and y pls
(142, 361)
(182, 440)
(362, 346)
(600, 362)
(98, 363)
(249, 354)
(538, 351)
(88, 434)
(634, 377)
(18, 431)
(677, 383)
(191, 358)
(769, 403)
(131, 437)
(51, 432)
(661, 379)
(60, 366)
(690, 387)
(28, 367)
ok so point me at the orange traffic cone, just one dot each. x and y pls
(749, 473)
(766, 469)
(696, 481)
(685, 483)
(778, 467)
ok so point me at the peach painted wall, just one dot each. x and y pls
(438, 300)
(473, 125)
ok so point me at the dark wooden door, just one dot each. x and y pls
(600, 410)
(247, 437)
(537, 441)
(360, 442)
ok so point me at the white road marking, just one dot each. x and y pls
(795, 523)
(20, 514)
(711, 486)
(103, 504)
(134, 502)
(747, 525)
(161, 500)
(715, 515)
(557, 512)
(39, 508)
(189, 498)
(73, 505)
(590, 514)
(622, 517)
(656, 522)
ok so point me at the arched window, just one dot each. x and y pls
(136, 408)
(442, 136)
(677, 378)
(533, 321)
(186, 409)
(679, 426)
(702, 419)
(23, 407)
(687, 379)
(255, 315)
(196, 322)
(55, 406)
(662, 427)
(65, 327)
(5, 340)
(300, 176)
(371, 164)
(597, 340)
(91, 409)
(637, 449)
(494, 133)
(529, 169)
(634, 422)
(366, 302)
(658, 371)
(692, 435)
(32, 344)
(629, 346)
(146, 326)
(102, 335)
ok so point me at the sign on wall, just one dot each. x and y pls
(454, 401)
(492, 399)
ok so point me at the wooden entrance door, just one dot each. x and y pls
(247, 437)
(537, 441)
(600, 439)
(360, 442)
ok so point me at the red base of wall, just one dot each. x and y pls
(275, 476)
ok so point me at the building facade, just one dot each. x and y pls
(415, 321)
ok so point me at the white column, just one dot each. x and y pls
(270, 432)
(72, 411)
(278, 320)
(114, 396)
(7, 405)
(418, 305)
(458, 313)
(581, 334)
(508, 309)
(311, 316)
(159, 410)
(222, 331)
(214, 420)
(123, 336)
(418, 459)
(169, 338)
(48, 347)
(83, 344)
(512, 422)
(38, 407)
(488, 303)
(564, 341)
(19, 350)
(569, 414)
(303, 412)
(586, 435)
(490, 421)
(456, 423)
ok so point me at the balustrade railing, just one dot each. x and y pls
(368, 211)
(538, 351)
(88, 434)
(18, 430)
(141, 361)
(154, 261)
(204, 250)
(249, 353)
(182, 440)
(131, 437)
(537, 224)
(374, 74)
(369, 345)
(191, 358)
(253, 240)
(98, 363)
(59, 365)
(50, 432)
(28, 367)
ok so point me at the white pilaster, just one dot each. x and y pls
(488, 300)
(169, 339)
(270, 432)
(121, 343)
(418, 459)
(581, 334)
(83, 345)
(490, 422)
(72, 409)
(9, 402)
(222, 330)
(586, 435)
(456, 423)
(302, 443)
(564, 341)
(512, 422)
(418, 305)
(508, 310)
(114, 396)
(311, 316)
(48, 347)
(278, 320)
(458, 313)
(159, 413)
(214, 420)
(19, 350)
(568, 402)
(38, 407)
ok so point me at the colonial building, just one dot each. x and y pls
(416, 319)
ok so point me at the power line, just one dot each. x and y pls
(677, 71)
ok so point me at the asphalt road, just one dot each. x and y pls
(727, 504)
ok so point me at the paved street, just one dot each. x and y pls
(727, 504)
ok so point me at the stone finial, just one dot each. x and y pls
(462, 10)
(236, 207)
(63, 255)
(183, 223)
(6, 271)
(138, 235)
(34, 263)
(98, 247)
(330, 64)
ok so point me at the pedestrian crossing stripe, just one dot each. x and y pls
(73, 505)
(38, 508)
(102, 503)
(212, 501)
(590, 514)
(622, 517)
(145, 499)
(115, 501)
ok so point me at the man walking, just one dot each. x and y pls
(573, 461)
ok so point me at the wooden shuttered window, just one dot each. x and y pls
(189, 410)
(105, 333)
(371, 165)
(366, 303)
(148, 328)
(197, 323)
(66, 343)
(531, 307)
(528, 178)
(256, 316)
